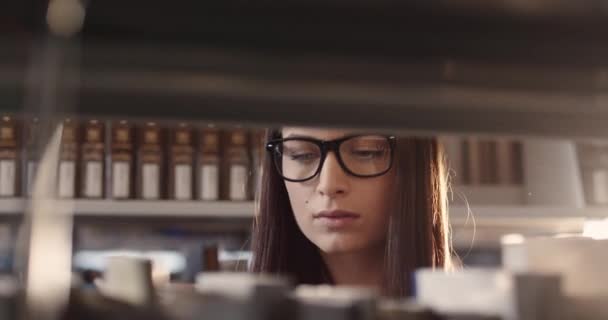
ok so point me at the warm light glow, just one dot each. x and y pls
(172, 262)
(65, 17)
(596, 229)
(513, 238)
(160, 274)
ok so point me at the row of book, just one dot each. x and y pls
(152, 160)
(484, 161)
(499, 161)
(134, 160)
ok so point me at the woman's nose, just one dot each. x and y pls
(333, 181)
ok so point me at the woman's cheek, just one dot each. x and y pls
(298, 197)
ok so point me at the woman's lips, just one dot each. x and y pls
(336, 218)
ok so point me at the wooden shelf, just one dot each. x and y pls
(215, 209)
(480, 226)
(245, 209)
(141, 208)
(511, 92)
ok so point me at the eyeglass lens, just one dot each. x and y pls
(362, 156)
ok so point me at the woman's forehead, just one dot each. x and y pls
(318, 133)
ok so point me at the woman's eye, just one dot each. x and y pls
(368, 154)
(303, 156)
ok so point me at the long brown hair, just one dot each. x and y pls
(418, 232)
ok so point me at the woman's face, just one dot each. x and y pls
(338, 212)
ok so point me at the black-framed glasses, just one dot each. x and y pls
(299, 159)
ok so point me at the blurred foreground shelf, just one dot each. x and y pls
(443, 79)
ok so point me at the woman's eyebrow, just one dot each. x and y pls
(293, 135)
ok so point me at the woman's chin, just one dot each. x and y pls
(340, 245)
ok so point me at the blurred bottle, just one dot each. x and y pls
(93, 155)
(149, 162)
(237, 164)
(210, 258)
(180, 163)
(9, 157)
(209, 165)
(31, 153)
(122, 161)
(68, 160)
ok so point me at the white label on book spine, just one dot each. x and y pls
(238, 182)
(183, 182)
(67, 179)
(209, 183)
(93, 179)
(7, 178)
(31, 174)
(150, 183)
(121, 179)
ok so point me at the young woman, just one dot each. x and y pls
(349, 208)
